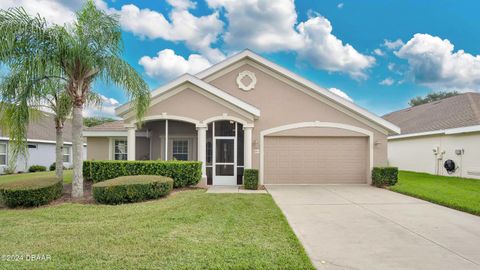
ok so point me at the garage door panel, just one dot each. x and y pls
(315, 160)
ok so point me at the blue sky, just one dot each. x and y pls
(379, 53)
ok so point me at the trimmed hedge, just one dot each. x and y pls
(31, 192)
(37, 168)
(250, 178)
(128, 189)
(183, 173)
(384, 176)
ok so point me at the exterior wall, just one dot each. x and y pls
(316, 132)
(189, 103)
(43, 155)
(97, 148)
(281, 104)
(416, 154)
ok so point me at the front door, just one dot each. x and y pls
(224, 172)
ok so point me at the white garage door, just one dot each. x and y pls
(315, 160)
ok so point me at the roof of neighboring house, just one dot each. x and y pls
(458, 111)
(108, 126)
(43, 128)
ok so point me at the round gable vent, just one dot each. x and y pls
(246, 80)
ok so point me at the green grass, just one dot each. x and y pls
(67, 176)
(187, 230)
(454, 192)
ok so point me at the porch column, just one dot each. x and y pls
(166, 140)
(131, 143)
(247, 146)
(202, 148)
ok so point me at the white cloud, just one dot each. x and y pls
(107, 109)
(197, 32)
(182, 4)
(340, 6)
(271, 26)
(54, 11)
(378, 52)
(340, 93)
(387, 81)
(392, 45)
(391, 66)
(324, 50)
(433, 62)
(167, 65)
(261, 25)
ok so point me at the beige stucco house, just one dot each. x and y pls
(433, 133)
(247, 112)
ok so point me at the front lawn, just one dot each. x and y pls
(67, 176)
(187, 230)
(454, 192)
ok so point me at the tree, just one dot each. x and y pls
(59, 102)
(95, 121)
(434, 96)
(78, 54)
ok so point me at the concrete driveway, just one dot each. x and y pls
(363, 227)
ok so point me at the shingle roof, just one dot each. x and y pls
(454, 112)
(43, 128)
(109, 126)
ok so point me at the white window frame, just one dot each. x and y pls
(114, 149)
(68, 154)
(181, 153)
(4, 154)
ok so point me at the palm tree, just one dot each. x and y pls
(59, 102)
(78, 54)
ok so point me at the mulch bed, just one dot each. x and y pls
(67, 195)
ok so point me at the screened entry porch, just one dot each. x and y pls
(222, 144)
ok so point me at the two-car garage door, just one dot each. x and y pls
(315, 160)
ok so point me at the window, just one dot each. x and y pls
(180, 149)
(32, 146)
(66, 154)
(120, 150)
(3, 154)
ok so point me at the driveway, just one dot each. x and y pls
(363, 227)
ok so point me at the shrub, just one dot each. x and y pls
(384, 176)
(53, 167)
(128, 189)
(31, 192)
(37, 168)
(183, 173)
(250, 178)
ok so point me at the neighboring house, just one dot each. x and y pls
(435, 132)
(41, 145)
(247, 112)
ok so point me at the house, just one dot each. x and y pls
(247, 112)
(435, 132)
(41, 136)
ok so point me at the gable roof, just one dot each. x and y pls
(247, 54)
(43, 129)
(108, 126)
(188, 78)
(453, 112)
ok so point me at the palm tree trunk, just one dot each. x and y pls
(59, 152)
(77, 140)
